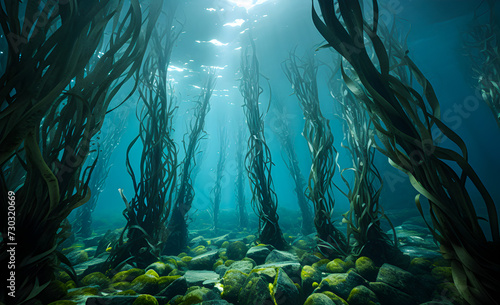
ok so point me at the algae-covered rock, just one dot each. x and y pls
(267, 274)
(127, 275)
(318, 299)
(145, 299)
(195, 296)
(199, 250)
(161, 268)
(258, 254)
(442, 274)
(321, 264)
(145, 284)
(233, 282)
(78, 257)
(243, 266)
(164, 281)
(236, 250)
(255, 291)
(177, 287)
(336, 266)
(204, 261)
(391, 296)
(420, 265)
(366, 268)
(341, 283)
(291, 268)
(126, 292)
(96, 278)
(121, 285)
(283, 290)
(196, 278)
(361, 295)
(397, 278)
(308, 276)
(335, 298)
(277, 256)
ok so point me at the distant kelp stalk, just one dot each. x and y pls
(216, 191)
(365, 214)
(106, 144)
(240, 177)
(62, 74)
(285, 135)
(302, 75)
(482, 42)
(154, 187)
(406, 122)
(177, 226)
(258, 159)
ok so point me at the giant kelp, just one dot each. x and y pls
(302, 75)
(283, 130)
(55, 92)
(258, 159)
(106, 144)
(482, 43)
(365, 212)
(148, 211)
(240, 177)
(177, 226)
(406, 122)
(216, 190)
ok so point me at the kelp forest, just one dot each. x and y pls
(311, 153)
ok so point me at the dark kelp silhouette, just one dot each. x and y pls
(403, 119)
(302, 75)
(258, 159)
(148, 211)
(55, 92)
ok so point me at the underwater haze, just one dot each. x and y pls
(250, 152)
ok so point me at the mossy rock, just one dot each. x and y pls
(366, 268)
(236, 250)
(96, 278)
(218, 263)
(121, 285)
(362, 295)
(186, 259)
(420, 265)
(172, 261)
(127, 292)
(145, 299)
(199, 250)
(229, 262)
(194, 296)
(181, 264)
(128, 275)
(336, 266)
(182, 254)
(318, 299)
(161, 268)
(225, 244)
(145, 284)
(233, 281)
(56, 290)
(321, 264)
(164, 281)
(442, 274)
(63, 302)
(153, 273)
(73, 247)
(85, 291)
(78, 257)
(335, 298)
(176, 272)
(308, 276)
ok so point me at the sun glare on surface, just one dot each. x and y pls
(247, 4)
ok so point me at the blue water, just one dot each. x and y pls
(214, 32)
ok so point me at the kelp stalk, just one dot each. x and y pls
(303, 77)
(258, 159)
(216, 191)
(407, 122)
